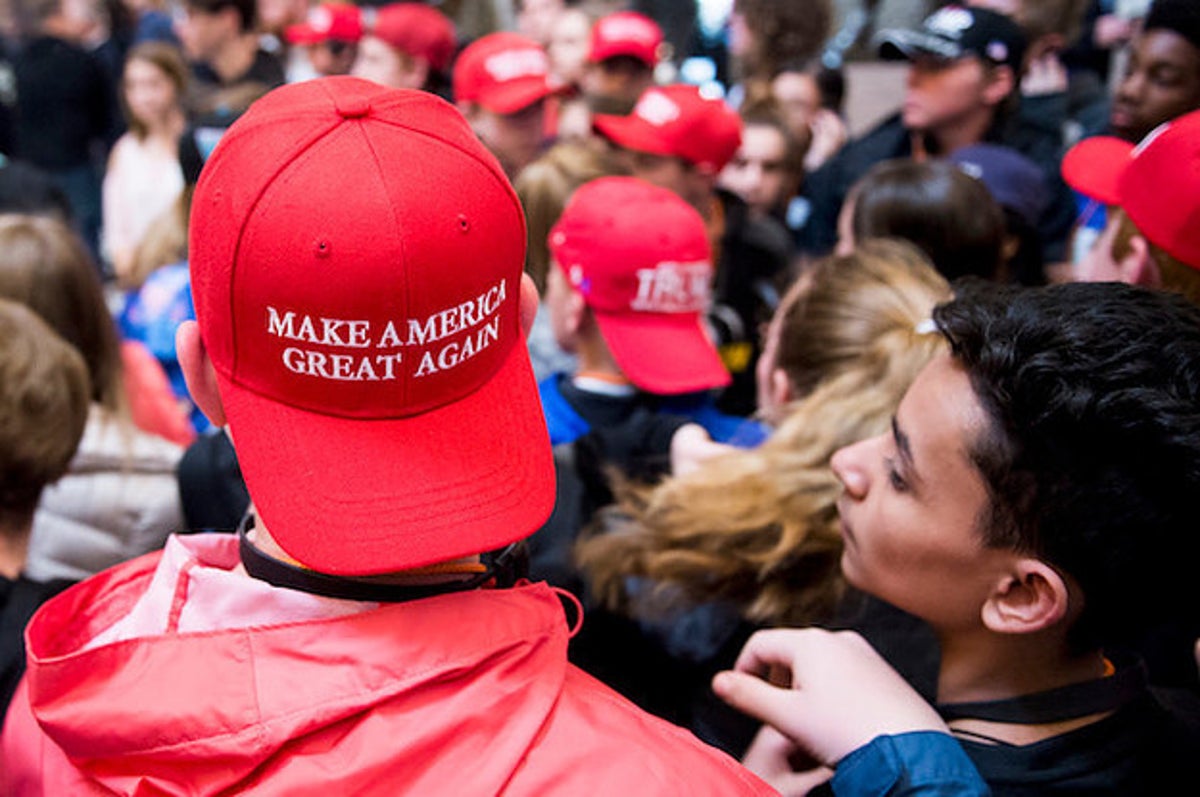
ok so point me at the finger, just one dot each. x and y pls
(765, 649)
(757, 698)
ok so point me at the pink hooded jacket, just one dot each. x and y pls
(461, 694)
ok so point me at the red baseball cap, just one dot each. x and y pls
(503, 72)
(640, 257)
(328, 22)
(626, 33)
(1156, 183)
(356, 261)
(677, 120)
(419, 30)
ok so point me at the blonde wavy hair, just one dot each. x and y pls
(758, 528)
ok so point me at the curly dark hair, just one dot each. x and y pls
(1092, 459)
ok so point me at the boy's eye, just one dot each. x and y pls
(894, 477)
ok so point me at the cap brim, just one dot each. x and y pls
(905, 45)
(663, 353)
(355, 497)
(303, 34)
(1094, 166)
(614, 51)
(631, 132)
(515, 95)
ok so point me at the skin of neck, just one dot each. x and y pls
(263, 541)
(593, 354)
(14, 550)
(983, 665)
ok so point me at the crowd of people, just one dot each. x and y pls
(552, 397)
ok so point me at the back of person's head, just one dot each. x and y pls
(25, 188)
(361, 329)
(759, 527)
(43, 408)
(1019, 186)
(247, 10)
(636, 266)
(544, 187)
(948, 214)
(781, 31)
(1060, 19)
(44, 266)
(1091, 451)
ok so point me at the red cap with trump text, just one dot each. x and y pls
(640, 257)
(356, 262)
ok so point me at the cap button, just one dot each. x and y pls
(353, 107)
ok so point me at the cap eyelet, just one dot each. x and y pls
(322, 248)
(464, 226)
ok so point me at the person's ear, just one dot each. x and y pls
(198, 372)
(529, 303)
(1137, 267)
(1000, 84)
(781, 388)
(1031, 596)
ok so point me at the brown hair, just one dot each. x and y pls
(44, 266)
(949, 215)
(1039, 18)
(544, 187)
(168, 60)
(783, 30)
(43, 409)
(758, 527)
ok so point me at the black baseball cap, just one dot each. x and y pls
(955, 32)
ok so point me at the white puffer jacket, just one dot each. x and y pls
(118, 500)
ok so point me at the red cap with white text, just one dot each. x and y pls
(328, 22)
(356, 263)
(640, 257)
(677, 120)
(417, 29)
(503, 72)
(626, 33)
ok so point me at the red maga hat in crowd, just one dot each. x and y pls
(356, 260)
(640, 257)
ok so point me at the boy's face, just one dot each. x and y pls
(378, 61)
(1161, 82)
(515, 139)
(913, 501)
(558, 304)
(758, 172)
(942, 93)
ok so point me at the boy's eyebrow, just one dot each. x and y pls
(903, 446)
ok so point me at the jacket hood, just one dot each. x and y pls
(257, 708)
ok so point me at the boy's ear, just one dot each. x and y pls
(198, 372)
(1030, 597)
(1137, 267)
(781, 388)
(1002, 83)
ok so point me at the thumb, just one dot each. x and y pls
(754, 696)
